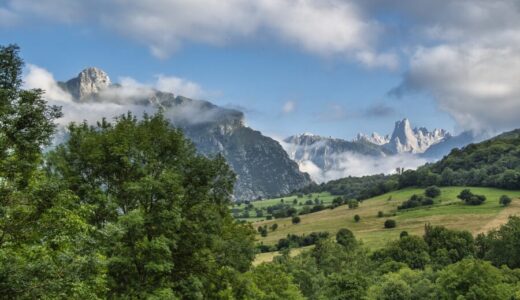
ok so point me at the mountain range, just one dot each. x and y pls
(262, 166)
(327, 158)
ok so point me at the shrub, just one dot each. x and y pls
(505, 200)
(357, 218)
(296, 220)
(403, 234)
(352, 204)
(390, 223)
(416, 201)
(380, 214)
(432, 191)
(274, 227)
(471, 199)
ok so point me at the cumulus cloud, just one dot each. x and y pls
(288, 107)
(467, 59)
(325, 27)
(354, 164)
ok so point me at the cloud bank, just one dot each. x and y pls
(354, 164)
(336, 28)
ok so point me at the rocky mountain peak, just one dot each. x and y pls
(89, 81)
(416, 140)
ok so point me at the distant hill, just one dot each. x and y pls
(493, 163)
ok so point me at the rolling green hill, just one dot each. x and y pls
(448, 211)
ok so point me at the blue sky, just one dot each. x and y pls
(264, 67)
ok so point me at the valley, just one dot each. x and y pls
(449, 211)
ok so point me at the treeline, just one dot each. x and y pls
(356, 187)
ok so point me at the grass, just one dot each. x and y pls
(448, 211)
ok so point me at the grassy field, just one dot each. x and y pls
(299, 204)
(448, 211)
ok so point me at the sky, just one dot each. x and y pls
(330, 67)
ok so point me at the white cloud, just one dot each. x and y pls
(335, 28)
(179, 86)
(353, 164)
(478, 86)
(288, 107)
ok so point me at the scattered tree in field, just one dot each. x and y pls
(432, 191)
(390, 223)
(380, 214)
(274, 227)
(471, 199)
(504, 200)
(403, 234)
(296, 220)
(353, 204)
(357, 218)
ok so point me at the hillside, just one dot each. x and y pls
(450, 212)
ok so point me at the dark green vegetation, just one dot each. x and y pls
(471, 199)
(356, 187)
(440, 264)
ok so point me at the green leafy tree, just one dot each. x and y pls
(432, 191)
(472, 279)
(390, 223)
(296, 220)
(163, 208)
(504, 200)
(346, 238)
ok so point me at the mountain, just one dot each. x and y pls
(404, 139)
(327, 158)
(263, 168)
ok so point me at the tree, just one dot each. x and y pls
(296, 220)
(390, 223)
(45, 239)
(346, 238)
(472, 279)
(471, 199)
(403, 234)
(432, 191)
(411, 250)
(504, 200)
(380, 214)
(448, 246)
(353, 204)
(274, 227)
(357, 218)
(163, 207)
(502, 246)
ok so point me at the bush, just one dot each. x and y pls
(357, 218)
(380, 214)
(504, 200)
(352, 204)
(403, 234)
(390, 223)
(274, 227)
(416, 201)
(296, 220)
(432, 191)
(471, 199)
